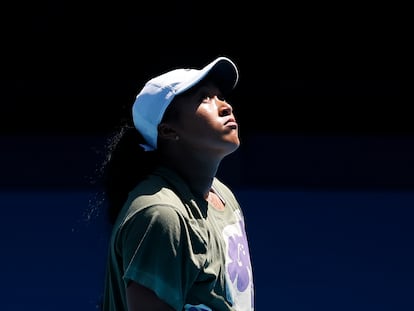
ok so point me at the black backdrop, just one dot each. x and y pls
(331, 73)
(74, 67)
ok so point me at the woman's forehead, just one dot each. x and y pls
(202, 86)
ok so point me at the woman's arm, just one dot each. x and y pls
(140, 298)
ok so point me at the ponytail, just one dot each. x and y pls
(126, 164)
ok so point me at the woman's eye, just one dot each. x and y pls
(206, 98)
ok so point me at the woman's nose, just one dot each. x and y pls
(224, 107)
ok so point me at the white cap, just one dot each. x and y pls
(151, 103)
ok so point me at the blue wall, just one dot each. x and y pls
(311, 250)
(329, 221)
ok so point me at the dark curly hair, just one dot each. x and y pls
(124, 165)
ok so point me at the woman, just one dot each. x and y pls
(178, 240)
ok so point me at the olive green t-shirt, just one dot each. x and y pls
(193, 256)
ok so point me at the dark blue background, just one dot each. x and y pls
(311, 250)
(339, 238)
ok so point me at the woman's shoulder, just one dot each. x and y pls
(223, 189)
(152, 191)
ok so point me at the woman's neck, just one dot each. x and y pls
(198, 174)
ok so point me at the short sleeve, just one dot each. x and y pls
(161, 250)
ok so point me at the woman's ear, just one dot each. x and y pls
(165, 131)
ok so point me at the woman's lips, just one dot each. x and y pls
(232, 124)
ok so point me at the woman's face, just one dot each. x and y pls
(205, 121)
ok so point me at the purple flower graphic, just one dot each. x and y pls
(240, 265)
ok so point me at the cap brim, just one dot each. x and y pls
(222, 71)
